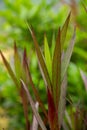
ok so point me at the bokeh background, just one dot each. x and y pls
(45, 16)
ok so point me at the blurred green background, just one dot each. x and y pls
(44, 16)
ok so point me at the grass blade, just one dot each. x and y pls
(64, 30)
(41, 61)
(33, 106)
(10, 71)
(48, 59)
(56, 70)
(67, 56)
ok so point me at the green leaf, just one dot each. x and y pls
(64, 30)
(67, 56)
(56, 70)
(10, 71)
(17, 62)
(33, 106)
(41, 61)
(48, 59)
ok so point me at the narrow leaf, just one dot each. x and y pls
(25, 106)
(52, 113)
(48, 59)
(64, 30)
(62, 101)
(84, 78)
(41, 61)
(35, 123)
(34, 89)
(67, 56)
(17, 62)
(33, 106)
(56, 70)
(10, 71)
(53, 44)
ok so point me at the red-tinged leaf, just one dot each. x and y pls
(67, 56)
(17, 62)
(25, 106)
(35, 123)
(62, 101)
(52, 113)
(41, 61)
(33, 106)
(10, 71)
(24, 66)
(48, 59)
(84, 78)
(35, 90)
(56, 70)
(64, 30)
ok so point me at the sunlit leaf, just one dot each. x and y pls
(48, 59)
(10, 71)
(33, 106)
(64, 30)
(67, 56)
(41, 61)
(56, 70)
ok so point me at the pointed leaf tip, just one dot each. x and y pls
(64, 30)
(56, 69)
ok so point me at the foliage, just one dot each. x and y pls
(53, 79)
(45, 16)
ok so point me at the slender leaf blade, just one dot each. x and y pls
(52, 112)
(10, 71)
(17, 62)
(64, 30)
(48, 59)
(33, 106)
(56, 70)
(67, 56)
(25, 106)
(41, 61)
(34, 89)
(62, 101)
(35, 123)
